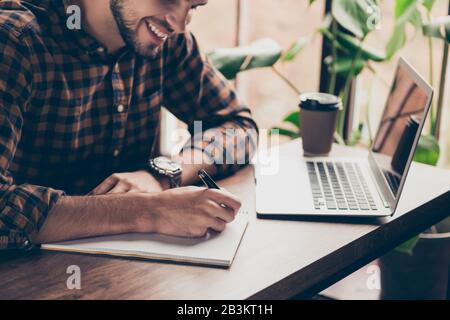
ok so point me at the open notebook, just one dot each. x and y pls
(216, 249)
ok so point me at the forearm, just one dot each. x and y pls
(79, 217)
(220, 150)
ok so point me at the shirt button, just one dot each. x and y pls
(116, 153)
(121, 108)
(100, 50)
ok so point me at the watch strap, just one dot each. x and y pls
(174, 177)
(175, 181)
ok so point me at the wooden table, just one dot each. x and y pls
(276, 259)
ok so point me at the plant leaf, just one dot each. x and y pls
(404, 10)
(408, 246)
(326, 23)
(355, 15)
(285, 132)
(356, 136)
(353, 44)
(338, 138)
(295, 49)
(344, 64)
(396, 42)
(428, 4)
(438, 28)
(416, 20)
(428, 151)
(330, 37)
(293, 118)
(230, 61)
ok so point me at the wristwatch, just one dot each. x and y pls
(166, 167)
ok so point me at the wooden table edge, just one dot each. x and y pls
(383, 239)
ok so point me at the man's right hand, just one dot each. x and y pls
(183, 212)
(190, 212)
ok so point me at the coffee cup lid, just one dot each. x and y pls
(317, 101)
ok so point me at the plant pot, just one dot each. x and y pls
(424, 274)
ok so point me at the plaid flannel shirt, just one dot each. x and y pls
(71, 114)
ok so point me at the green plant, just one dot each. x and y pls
(231, 61)
(345, 30)
(350, 54)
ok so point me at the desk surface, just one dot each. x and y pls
(276, 259)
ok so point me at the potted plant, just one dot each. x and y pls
(419, 270)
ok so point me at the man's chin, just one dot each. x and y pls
(149, 51)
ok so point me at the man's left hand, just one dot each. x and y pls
(131, 182)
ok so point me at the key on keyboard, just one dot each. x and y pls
(339, 186)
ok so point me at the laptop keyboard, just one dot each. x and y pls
(339, 186)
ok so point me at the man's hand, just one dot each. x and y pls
(183, 212)
(131, 182)
(143, 182)
(190, 212)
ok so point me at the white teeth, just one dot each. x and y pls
(158, 32)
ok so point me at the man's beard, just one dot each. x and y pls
(127, 31)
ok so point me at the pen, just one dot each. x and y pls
(207, 180)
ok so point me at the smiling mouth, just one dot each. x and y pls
(157, 32)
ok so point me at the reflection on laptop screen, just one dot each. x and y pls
(399, 127)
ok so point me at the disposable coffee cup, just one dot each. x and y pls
(318, 118)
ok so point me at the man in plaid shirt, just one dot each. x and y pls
(79, 116)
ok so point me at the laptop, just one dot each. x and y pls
(365, 187)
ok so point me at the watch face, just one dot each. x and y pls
(166, 164)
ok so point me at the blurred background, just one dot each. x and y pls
(227, 23)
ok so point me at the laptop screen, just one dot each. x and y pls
(401, 123)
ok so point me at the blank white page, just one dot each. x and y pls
(213, 249)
